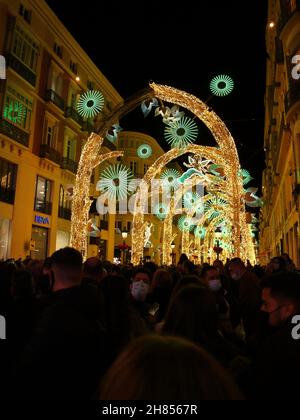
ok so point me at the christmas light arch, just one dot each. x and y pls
(225, 154)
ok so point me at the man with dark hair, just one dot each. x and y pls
(65, 356)
(66, 267)
(93, 271)
(140, 289)
(278, 367)
(247, 292)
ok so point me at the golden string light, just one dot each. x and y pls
(90, 158)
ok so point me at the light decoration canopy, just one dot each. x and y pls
(181, 133)
(144, 151)
(115, 181)
(221, 85)
(90, 104)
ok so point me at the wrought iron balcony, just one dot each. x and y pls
(67, 163)
(72, 113)
(64, 213)
(7, 195)
(53, 97)
(50, 153)
(20, 68)
(14, 132)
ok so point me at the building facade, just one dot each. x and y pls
(279, 220)
(41, 132)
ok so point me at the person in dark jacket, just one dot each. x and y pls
(65, 356)
(277, 367)
(248, 293)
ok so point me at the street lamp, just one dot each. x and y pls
(124, 236)
(173, 246)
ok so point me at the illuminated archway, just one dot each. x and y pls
(225, 154)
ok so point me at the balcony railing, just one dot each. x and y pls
(53, 97)
(292, 97)
(64, 213)
(104, 224)
(21, 69)
(69, 164)
(45, 207)
(87, 126)
(7, 195)
(72, 113)
(50, 153)
(14, 132)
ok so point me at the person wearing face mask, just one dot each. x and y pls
(210, 277)
(247, 291)
(139, 290)
(278, 368)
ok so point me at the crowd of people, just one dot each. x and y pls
(93, 330)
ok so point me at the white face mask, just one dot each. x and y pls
(139, 290)
(215, 285)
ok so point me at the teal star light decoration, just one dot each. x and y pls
(185, 224)
(161, 210)
(144, 151)
(90, 104)
(221, 85)
(114, 182)
(170, 178)
(200, 232)
(181, 133)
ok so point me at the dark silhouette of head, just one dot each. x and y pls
(281, 297)
(66, 266)
(167, 368)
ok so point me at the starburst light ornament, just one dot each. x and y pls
(115, 182)
(90, 104)
(181, 133)
(221, 85)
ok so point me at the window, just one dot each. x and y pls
(64, 200)
(58, 49)
(25, 13)
(17, 108)
(25, 49)
(8, 176)
(70, 145)
(50, 133)
(133, 167)
(73, 67)
(90, 85)
(43, 195)
(118, 226)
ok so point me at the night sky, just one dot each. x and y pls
(183, 45)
